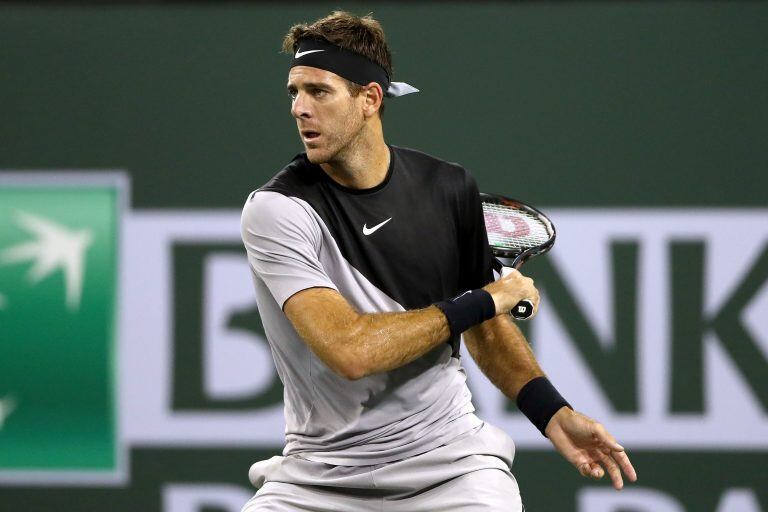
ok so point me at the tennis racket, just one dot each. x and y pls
(516, 233)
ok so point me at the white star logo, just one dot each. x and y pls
(54, 247)
(7, 405)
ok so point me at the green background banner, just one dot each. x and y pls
(646, 119)
(57, 329)
(563, 103)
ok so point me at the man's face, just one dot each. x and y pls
(327, 115)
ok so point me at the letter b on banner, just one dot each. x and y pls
(221, 357)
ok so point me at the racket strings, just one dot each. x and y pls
(512, 229)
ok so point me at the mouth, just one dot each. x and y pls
(309, 135)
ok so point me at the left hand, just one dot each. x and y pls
(589, 447)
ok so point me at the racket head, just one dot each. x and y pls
(516, 231)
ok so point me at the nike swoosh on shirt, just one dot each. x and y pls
(367, 231)
(301, 54)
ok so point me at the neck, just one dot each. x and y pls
(364, 163)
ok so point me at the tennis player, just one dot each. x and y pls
(369, 262)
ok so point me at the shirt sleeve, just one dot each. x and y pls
(283, 239)
(476, 268)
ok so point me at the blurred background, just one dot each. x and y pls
(134, 373)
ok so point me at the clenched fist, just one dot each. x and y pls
(511, 288)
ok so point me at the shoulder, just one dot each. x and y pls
(270, 217)
(432, 167)
(269, 206)
(283, 194)
(416, 157)
(277, 209)
(444, 178)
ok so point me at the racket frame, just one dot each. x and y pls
(511, 258)
(515, 259)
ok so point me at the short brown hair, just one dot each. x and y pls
(363, 35)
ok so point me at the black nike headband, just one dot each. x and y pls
(319, 53)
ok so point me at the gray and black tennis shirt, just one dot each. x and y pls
(415, 239)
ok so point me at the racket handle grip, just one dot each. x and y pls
(523, 310)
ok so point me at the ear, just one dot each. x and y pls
(373, 95)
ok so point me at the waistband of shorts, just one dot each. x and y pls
(439, 436)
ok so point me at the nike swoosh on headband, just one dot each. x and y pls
(301, 54)
(350, 65)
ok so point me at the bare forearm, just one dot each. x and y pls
(354, 344)
(357, 344)
(503, 354)
(385, 341)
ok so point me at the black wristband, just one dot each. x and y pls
(470, 308)
(539, 401)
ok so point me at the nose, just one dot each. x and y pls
(300, 106)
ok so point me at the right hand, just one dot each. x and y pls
(511, 289)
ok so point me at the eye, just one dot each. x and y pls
(292, 94)
(319, 93)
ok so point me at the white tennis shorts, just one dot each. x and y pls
(472, 473)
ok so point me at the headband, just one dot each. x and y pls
(319, 53)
